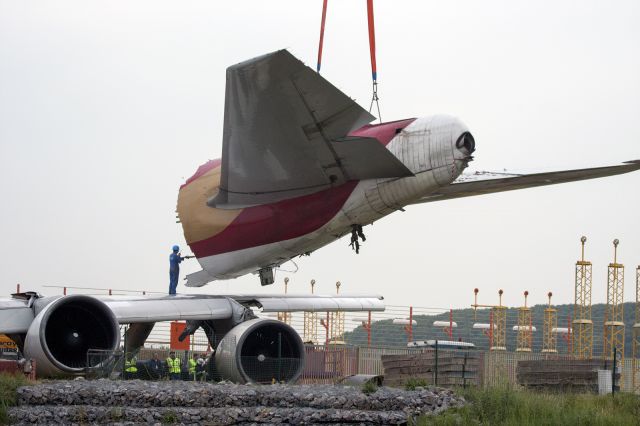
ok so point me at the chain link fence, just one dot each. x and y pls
(358, 345)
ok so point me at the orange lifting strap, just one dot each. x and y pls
(372, 50)
(324, 17)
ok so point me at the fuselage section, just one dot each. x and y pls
(231, 243)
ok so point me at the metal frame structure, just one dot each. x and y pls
(614, 311)
(525, 331)
(498, 323)
(310, 328)
(582, 324)
(499, 326)
(550, 323)
(285, 317)
(336, 323)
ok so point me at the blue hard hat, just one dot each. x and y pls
(176, 248)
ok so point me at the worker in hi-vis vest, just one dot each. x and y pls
(131, 368)
(174, 366)
(193, 362)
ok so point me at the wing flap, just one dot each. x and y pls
(316, 303)
(469, 186)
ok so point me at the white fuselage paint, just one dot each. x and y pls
(426, 147)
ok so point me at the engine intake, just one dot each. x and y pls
(63, 332)
(261, 351)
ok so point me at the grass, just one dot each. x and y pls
(169, 417)
(414, 383)
(8, 385)
(369, 387)
(505, 406)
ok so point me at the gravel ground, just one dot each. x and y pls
(130, 402)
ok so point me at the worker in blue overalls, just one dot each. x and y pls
(174, 268)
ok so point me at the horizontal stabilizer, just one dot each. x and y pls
(367, 158)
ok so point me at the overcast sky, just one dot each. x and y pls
(106, 107)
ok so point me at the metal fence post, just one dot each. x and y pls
(436, 365)
(124, 352)
(613, 371)
(464, 369)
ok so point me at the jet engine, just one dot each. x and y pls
(65, 329)
(260, 351)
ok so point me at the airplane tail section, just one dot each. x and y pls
(285, 135)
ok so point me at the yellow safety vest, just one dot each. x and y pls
(174, 365)
(192, 366)
(130, 366)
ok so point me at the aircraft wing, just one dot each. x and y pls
(285, 135)
(203, 307)
(480, 183)
(17, 313)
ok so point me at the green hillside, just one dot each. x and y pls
(386, 334)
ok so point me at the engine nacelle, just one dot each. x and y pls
(260, 351)
(62, 333)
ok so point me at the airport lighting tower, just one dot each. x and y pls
(582, 324)
(550, 328)
(524, 327)
(336, 323)
(636, 337)
(310, 330)
(285, 317)
(497, 325)
(499, 335)
(614, 311)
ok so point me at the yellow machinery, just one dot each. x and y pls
(310, 331)
(6, 344)
(636, 337)
(549, 338)
(285, 317)
(614, 312)
(582, 324)
(525, 327)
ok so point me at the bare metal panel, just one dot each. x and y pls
(169, 308)
(467, 186)
(281, 119)
(15, 316)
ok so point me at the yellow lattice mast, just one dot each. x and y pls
(336, 323)
(310, 330)
(582, 324)
(285, 316)
(525, 327)
(499, 326)
(550, 325)
(614, 312)
(636, 337)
